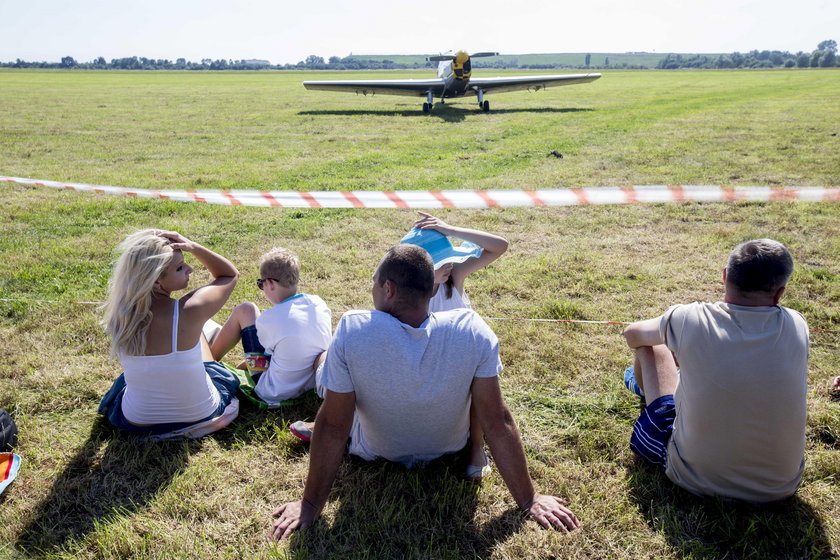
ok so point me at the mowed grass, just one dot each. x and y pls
(264, 130)
(87, 491)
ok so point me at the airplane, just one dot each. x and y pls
(454, 80)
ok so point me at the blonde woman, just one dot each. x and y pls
(170, 381)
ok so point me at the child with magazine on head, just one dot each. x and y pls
(285, 345)
(453, 264)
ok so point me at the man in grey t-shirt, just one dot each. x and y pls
(731, 422)
(400, 380)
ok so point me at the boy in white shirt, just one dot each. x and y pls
(283, 344)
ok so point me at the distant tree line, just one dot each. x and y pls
(824, 56)
(312, 62)
(143, 63)
(352, 63)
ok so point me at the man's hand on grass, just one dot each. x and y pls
(551, 512)
(291, 517)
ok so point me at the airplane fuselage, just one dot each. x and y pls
(455, 74)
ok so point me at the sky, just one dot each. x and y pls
(287, 31)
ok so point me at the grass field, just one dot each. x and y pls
(87, 491)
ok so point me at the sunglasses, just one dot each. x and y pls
(261, 281)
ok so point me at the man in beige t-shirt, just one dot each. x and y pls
(731, 421)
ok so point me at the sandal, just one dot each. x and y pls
(477, 472)
(301, 430)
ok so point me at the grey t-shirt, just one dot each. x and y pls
(740, 425)
(412, 385)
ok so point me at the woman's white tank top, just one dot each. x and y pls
(167, 388)
(440, 302)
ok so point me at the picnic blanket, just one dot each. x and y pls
(9, 465)
(247, 390)
(201, 429)
(222, 377)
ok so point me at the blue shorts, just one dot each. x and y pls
(111, 405)
(653, 430)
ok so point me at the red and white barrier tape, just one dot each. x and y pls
(463, 198)
(523, 319)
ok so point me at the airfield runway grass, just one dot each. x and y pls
(87, 491)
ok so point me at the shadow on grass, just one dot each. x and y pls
(111, 474)
(386, 511)
(114, 473)
(443, 112)
(261, 426)
(707, 528)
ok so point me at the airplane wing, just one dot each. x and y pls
(414, 88)
(515, 83)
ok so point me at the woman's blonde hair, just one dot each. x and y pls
(144, 256)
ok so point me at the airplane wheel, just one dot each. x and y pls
(426, 107)
(485, 106)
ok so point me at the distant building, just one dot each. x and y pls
(256, 62)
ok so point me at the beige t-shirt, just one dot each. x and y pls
(740, 423)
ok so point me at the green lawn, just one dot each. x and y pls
(86, 491)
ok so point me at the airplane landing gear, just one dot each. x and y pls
(427, 106)
(482, 104)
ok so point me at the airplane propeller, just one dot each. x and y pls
(442, 57)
